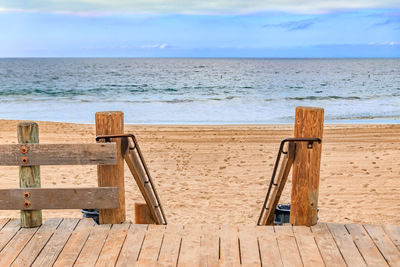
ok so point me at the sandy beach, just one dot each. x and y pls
(219, 174)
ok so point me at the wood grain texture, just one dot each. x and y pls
(8, 232)
(346, 245)
(229, 246)
(59, 198)
(171, 245)
(143, 214)
(36, 244)
(384, 244)
(393, 231)
(209, 245)
(309, 252)
(59, 154)
(249, 251)
(151, 246)
(309, 122)
(112, 246)
(75, 243)
(133, 243)
(50, 252)
(327, 246)
(112, 122)
(29, 176)
(365, 245)
(190, 247)
(287, 246)
(269, 249)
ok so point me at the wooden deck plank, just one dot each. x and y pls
(112, 246)
(384, 244)
(393, 231)
(151, 245)
(269, 249)
(75, 243)
(15, 245)
(309, 251)
(37, 242)
(346, 245)
(8, 231)
(190, 247)
(327, 246)
(287, 246)
(229, 246)
(249, 250)
(365, 245)
(133, 243)
(93, 246)
(50, 252)
(3, 221)
(171, 244)
(209, 246)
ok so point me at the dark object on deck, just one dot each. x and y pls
(282, 214)
(91, 213)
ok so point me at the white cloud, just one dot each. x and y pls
(192, 7)
(155, 46)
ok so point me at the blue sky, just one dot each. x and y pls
(222, 28)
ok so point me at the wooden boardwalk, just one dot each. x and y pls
(67, 242)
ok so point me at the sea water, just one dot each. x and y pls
(200, 91)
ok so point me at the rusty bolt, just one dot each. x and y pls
(27, 194)
(27, 203)
(24, 160)
(24, 149)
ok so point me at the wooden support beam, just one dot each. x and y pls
(309, 123)
(30, 199)
(29, 176)
(143, 214)
(58, 154)
(135, 166)
(112, 122)
(280, 182)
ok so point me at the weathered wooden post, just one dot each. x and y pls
(112, 122)
(309, 122)
(143, 214)
(29, 176)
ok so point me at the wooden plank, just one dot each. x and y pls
(384, 244)
(287, 246)
(75, 243)
(346, 245)
(309, 122)
(309, 252)
(365, 245)
(15, 245)
(170, 246)
(112, 246)
(209, 245)
(3, 222)
(133, 243)
(249, 250)
(50, 252)
(58, 154)
(112, 122)
(29, 176)
(327, 246)
(269, 249)
(190, 247)
(59, 198)
(142, 180)
(143, 214)
(393, 231)
(151, 245)
(8, 232)
(229, 247)
(281, 179)
(36, 244)
(93, 246)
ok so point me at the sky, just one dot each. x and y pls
(202, 28)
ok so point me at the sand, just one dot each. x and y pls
(219, 174)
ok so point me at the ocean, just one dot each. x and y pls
(199, 91)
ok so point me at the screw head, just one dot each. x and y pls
(27, 194)
(24, 160)
(24, 149)
(27, 203)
